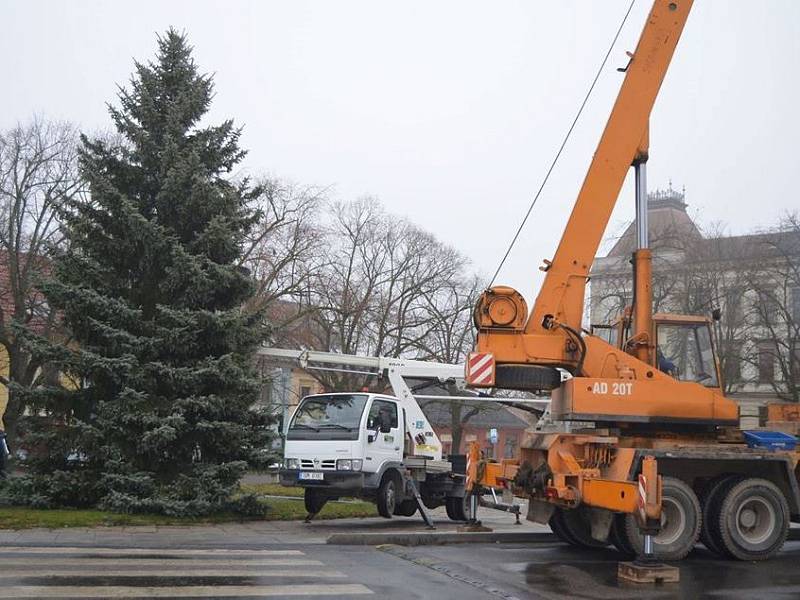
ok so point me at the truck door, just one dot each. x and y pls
(386, 445)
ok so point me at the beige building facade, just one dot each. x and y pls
(754, 280)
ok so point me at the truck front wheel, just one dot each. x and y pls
(387, 497)
(314, 500)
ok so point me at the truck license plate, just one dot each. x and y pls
(314, 476)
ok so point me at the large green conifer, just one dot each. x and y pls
(151, 291)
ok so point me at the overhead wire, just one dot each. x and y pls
(563, 143)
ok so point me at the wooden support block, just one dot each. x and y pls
(648, 572)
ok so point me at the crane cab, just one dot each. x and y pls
(683, 346)
(620, 388)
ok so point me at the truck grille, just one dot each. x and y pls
(307, 463)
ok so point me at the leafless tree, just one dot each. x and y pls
(284, 251)
(373, 294)
(776, 309)
(450, 333)
(38, 175)
(715, 275)
(449, 338)
(693, 275)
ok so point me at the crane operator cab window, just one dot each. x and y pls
(685, 352)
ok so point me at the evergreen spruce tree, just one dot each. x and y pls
(159, 416)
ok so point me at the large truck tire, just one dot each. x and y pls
(387, 496)
(406, 508)
(457, 508)
(710, 500)
(753, 520)
(573, 527)
(430, 502)
(618, 536)
(681, 519)
(560, 530)
(314, 500)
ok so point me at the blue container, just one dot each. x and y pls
(770, 440)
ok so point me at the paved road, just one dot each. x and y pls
(313, 571)
(286, 560)
(556, 571)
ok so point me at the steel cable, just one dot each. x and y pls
(563, 143)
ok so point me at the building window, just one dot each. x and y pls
(305, 390)
(767, 307)
(510, 447)
(766, 363)
(796, 304)
(733, 305)
(732, 369)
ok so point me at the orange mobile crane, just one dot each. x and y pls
(664, 454)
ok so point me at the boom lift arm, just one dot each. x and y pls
(396, 370)
(527, 348)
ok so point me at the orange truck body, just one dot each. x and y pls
(646, 421)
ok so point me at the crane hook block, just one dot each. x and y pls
(500, 307)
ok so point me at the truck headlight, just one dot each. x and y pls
(292, 463)
(347, 464)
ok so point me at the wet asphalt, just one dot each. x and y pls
(463, 572)
(291, 560)
(555, 571)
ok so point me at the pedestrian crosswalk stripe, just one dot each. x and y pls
(191, 591)
(58, 561)
(137, 551)
(187, 573)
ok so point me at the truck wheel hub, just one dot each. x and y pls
(673, 522)
(755, 520)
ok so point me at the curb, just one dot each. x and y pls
(435, 538)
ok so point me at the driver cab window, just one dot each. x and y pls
(383, 409)
(684, 351)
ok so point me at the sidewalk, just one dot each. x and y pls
(249, 534)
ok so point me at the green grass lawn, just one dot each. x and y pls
(279, 509)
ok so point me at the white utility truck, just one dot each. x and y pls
(374, 446)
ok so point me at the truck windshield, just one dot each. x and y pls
(328, 417)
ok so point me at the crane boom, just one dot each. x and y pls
(548, 335)
(624, 142)
(525, 349)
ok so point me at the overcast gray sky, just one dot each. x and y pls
(449, 112)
